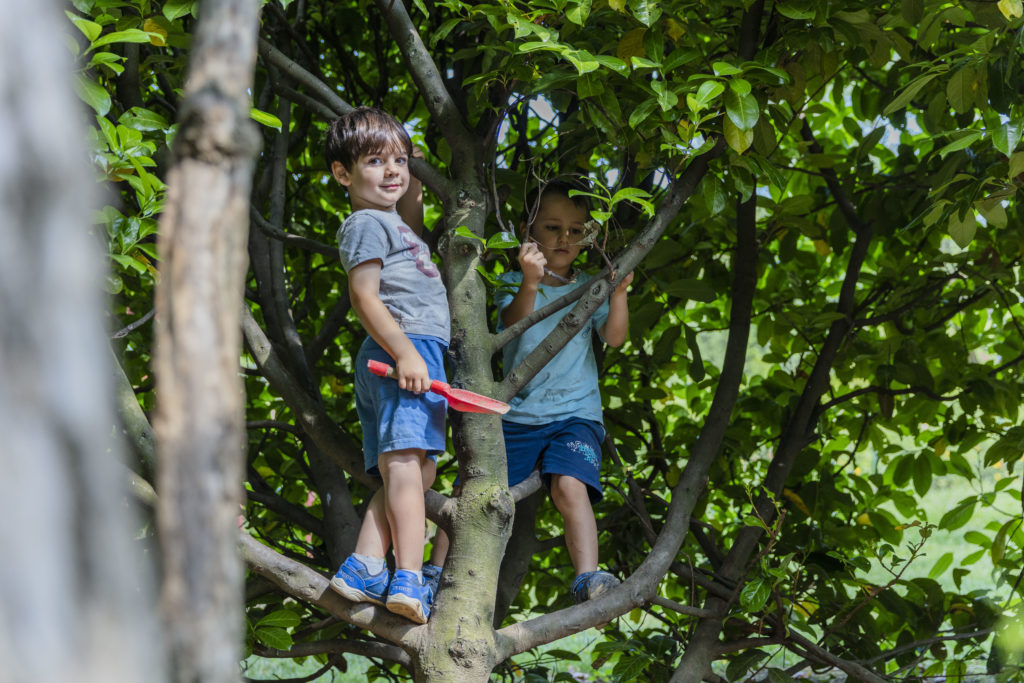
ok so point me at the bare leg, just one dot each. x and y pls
(375, 533)
(571, 499)
(441, 542)
(403, 501)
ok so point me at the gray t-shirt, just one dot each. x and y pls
(410, 284)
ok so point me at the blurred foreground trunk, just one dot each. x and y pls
(75, 601)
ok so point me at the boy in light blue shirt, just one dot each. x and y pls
(554, 422)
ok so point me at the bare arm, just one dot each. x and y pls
(410, 206)
(364, 291)
(616, 327)
(532, 263)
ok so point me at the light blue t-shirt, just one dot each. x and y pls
(410, 284)
(567, 386)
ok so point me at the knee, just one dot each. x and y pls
(568, 491)
(402, 467)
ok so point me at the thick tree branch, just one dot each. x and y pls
(287, 66)
(303, 583)
(465, 150)
(289, 239)
(363, 648)
(703, 647)
(308, 410)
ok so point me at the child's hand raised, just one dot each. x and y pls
(532, 262)
(411, 373)
(623, 286)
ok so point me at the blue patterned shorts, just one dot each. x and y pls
(570, 447)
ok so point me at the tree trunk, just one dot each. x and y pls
(74, 597)
(199, 420)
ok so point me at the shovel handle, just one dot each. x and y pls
(381, 369)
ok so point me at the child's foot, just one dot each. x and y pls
(354, 582)
(432, 577)
(409, 596)
(589, 585)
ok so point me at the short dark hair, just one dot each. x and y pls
(366, 130)
(560, 187)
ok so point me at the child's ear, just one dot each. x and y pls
(340, 173)
(522, 229)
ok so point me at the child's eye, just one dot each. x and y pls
(401, 160)
(373, 161)
(575, 232)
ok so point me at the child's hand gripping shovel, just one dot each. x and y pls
(459, 399)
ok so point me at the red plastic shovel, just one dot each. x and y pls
(459, 399)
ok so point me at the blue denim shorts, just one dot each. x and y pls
(394, 419)
(571, 447)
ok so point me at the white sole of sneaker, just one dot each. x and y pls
(410, 608)
(354, 594)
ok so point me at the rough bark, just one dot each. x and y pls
(75, 595)
(199, 420)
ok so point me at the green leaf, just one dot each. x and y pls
(174, 9)
(742, 663)
(725, 69)
(503, 240)
(706, 93)
(941, 565)
(779, 676)
(1016, 166)
(274, 637)
(742, 109)
(262, 117)
(90, 29)
(282, 617)
(628, 668)
(959, 515)
(796, 9)
(579, 12)
(643, 110)
(463, 231)
(688, 288)
(908, 93)
(755, 594)
(960, 90)
(646, 11)
(132, 35)
(138, 118)
(963, 228)
(922, 474)
(1006, 137)
(966, 139)
(736, 137)
(92, 93)
(1011, 9)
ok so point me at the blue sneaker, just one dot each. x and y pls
(432, 577)
(589, 585)
(410, 597)
(355, 583)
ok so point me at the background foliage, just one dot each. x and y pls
(888, 128)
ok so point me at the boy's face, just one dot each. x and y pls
(558, 229)
(375, 181)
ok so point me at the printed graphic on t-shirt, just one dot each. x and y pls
(418, 252)
(586, 451)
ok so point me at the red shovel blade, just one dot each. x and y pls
(463, 400)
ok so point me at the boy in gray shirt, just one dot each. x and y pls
(401, 301)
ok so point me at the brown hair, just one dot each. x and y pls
(365, 130)
(555, 187)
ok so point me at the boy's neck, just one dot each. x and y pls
(359, 206)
